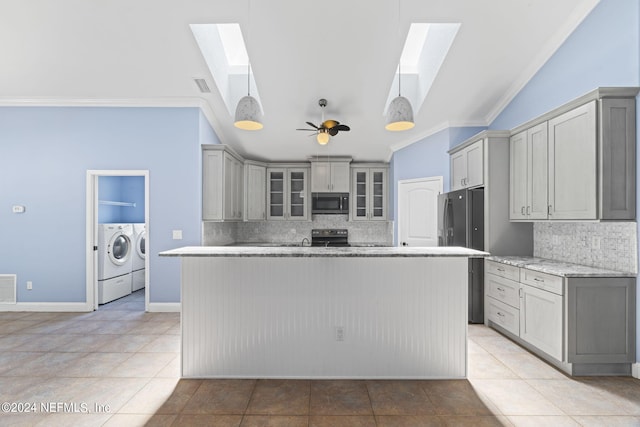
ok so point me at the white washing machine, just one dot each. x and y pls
(115, 253)
(139, 254)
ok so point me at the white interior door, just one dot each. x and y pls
(417, 211)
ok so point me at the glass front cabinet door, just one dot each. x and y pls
(369, 193)
(287, 193)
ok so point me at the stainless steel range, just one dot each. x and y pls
(330, 237)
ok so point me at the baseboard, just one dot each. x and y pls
(47, 306)
(169, 307)
(635, 370)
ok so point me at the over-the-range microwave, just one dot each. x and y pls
(329, 203)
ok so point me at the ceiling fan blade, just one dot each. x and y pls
(312, 125)
(310, 130)
(343, 128)
(333, 131)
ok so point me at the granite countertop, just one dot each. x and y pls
(558, 268)
(298, 251)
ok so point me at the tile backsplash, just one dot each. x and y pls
(365, 232)
(610, 245)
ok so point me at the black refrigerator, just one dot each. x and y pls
(461, 223)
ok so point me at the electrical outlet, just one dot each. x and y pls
(595, 242)
(177, 234)
(339, 333)
(29, 285)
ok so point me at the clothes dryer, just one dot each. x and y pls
(115, 250)
(138, 271)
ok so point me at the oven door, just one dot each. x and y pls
(330, 203)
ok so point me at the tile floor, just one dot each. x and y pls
(118, 366)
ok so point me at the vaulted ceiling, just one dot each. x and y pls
(143, 53)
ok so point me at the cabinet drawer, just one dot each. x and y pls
(545, 281)
(503, 270)
(503, 315)
(504, 290)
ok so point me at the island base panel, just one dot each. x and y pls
(279, 317)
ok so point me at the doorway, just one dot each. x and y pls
(94, 216)
(417, 211)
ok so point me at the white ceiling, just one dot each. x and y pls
(142, 52)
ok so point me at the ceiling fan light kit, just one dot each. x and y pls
(327, 128)
(323, 137)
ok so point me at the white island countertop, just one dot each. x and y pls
(307, 251)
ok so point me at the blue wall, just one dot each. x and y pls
(47, 152)
(127, 189)
(602, 51)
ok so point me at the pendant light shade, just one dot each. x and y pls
(248, 114)
(399, 114)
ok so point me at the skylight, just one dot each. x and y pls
(424, 51)
(223, 48)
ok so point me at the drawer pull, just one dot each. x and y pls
(538, 280)
(500, 314)
(500, 269)
(500, 289)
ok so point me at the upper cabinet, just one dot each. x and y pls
(467, 166)
(528, 174)
(577, 162)
(330, 176)
(222, 183)
(369, 192)
(255, 190)
(287, 192)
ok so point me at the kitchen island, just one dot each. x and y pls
(315, 312)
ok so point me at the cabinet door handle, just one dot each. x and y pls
(522, 211)
(520, 292)
(549, 209)
(528, 210)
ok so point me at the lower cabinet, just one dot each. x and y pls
(582, 325)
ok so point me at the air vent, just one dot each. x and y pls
(202, 85)
(8, 288)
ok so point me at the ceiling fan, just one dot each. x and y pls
(327, 128)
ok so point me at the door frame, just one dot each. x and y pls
(91, 260)
(439, 179)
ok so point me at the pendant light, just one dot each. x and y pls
(248, 114)
(400, 113)
(248, 110)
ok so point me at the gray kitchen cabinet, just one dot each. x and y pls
(330, 176)
(369, 192)
(466, 165)
(528, 174)
(255, 191)
(588, 152)
(233, 182)
(572, 164)
(287, 192)
(541, 319)
(222, 184)
(582, 325)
